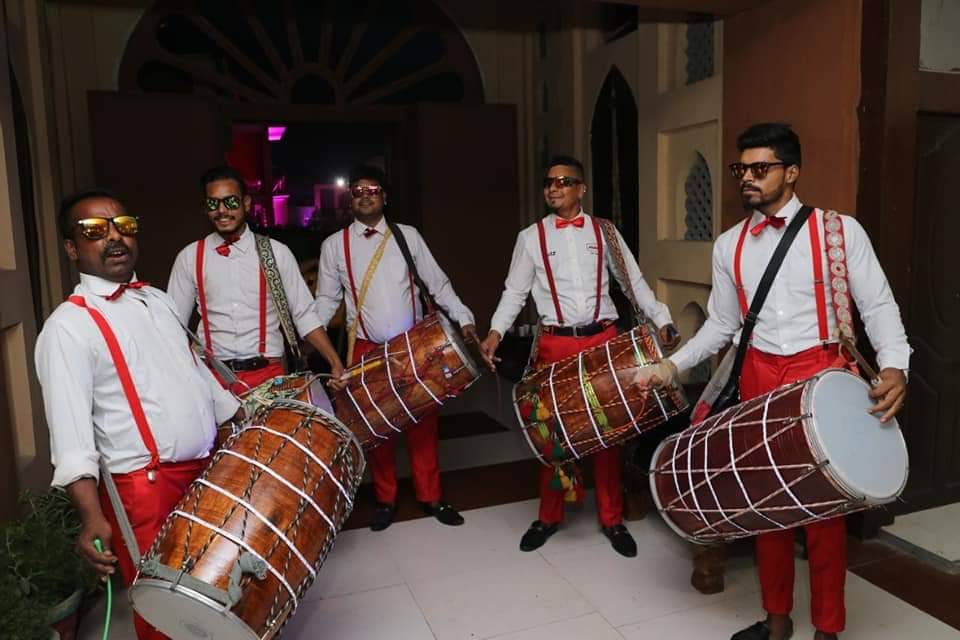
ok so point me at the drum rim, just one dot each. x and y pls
(460, 347)
(523, 428)
(829, 470)
(142, 584)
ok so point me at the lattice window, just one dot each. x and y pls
(698, 188)
(699, 51)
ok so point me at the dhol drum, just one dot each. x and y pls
(411, 375)
(588, 402)
(807, 451)
(305, 387)
(241, 548)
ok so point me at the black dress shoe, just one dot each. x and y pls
(383, 516)
(537, 535)
(759, 631)
(621, 540)
(444, 513)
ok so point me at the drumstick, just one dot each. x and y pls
(847, 344)
(350, 373)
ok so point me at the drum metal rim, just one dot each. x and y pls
(656, 497)
(142, 584)
(460, 348)
(809, 433)
(523, 428)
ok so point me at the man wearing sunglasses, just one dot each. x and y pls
(365, 262)
(563, 261)
(225, 275)
(794, 339)
(122, 390)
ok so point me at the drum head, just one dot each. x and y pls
(867, 458)
(456, 341)
(184, 614)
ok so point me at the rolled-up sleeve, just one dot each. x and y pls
(65, 368)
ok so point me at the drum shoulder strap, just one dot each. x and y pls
(618, 265)
(268, 264)
(429, 302)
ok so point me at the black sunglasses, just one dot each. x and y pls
(230, 202)
(561, 181)
(759, 170)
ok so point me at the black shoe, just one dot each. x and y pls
(537, 535)
(759, 631)
(444, 513)
(621, 540)
(383, 516)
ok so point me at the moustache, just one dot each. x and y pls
(115, 246)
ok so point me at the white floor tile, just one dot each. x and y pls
(592, 627)
(934, 530)
(489, 602)
(628, 590)
(389, 613)
(424, 549)
(359, 561)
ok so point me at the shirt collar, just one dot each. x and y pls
(99, 286)
(245, 242)
(358, 227)
(786, 212)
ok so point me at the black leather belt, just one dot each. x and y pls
(250, 364)
(583, 331)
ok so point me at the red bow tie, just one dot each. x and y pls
(136, 284)
(369, 231)
(224, 249)
(768, 221)
(576, 222)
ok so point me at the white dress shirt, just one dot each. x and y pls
(232, 291)
(573, 259)
(388, 309)
(787, 323)
(87, 411)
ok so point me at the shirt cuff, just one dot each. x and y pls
(76, 465)
(894, 360)
(225, 406)
(662, 318)
(307, 325)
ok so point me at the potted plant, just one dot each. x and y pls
(42, 578)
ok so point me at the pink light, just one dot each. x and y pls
(281, 210)
(275, 133)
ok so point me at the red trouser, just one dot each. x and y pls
(421, 445)
(258, 376)
(826, 540)
(147, 505)
(607, 463)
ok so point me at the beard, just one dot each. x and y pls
(757, 199)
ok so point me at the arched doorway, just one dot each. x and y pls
(614, 157)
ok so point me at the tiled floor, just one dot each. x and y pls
(419, 579)
(933, 530)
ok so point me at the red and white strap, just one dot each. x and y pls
(837, 264)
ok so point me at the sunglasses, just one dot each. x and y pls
(359, 192)
(759, 170)
(230, 202)
(99, 228)
(561, 181)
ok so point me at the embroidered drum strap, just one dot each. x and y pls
(126, 380)
(619, 266)
(367, 278)
(837, 264)
(270, 275)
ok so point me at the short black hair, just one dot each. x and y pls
(369, 172)
(567, 161)
(223, 172)
(72, 200)
(776, 135)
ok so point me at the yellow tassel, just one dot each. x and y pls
(570, 495)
